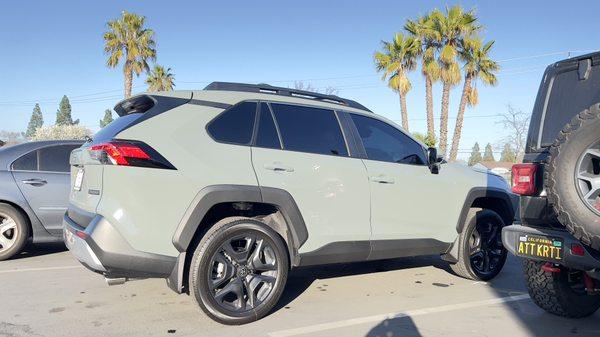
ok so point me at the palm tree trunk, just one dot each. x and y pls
(444, 118)
(460, 118)
(128, 80)
(429, 103)
(403, 111)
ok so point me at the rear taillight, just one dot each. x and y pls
(523, 179)
(128, 153)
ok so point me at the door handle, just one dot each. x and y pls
(34, 182)
(278, 167)
(382, 179)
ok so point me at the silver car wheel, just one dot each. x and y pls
(8, 232)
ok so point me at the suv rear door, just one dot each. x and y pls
(43, 177)
(312, 163)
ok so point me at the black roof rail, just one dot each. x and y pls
(269, 89)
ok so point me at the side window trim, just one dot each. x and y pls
(353, 138)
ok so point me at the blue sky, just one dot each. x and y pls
(49, 49)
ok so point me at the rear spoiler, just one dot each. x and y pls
(135, 104)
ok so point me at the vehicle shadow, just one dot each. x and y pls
(40, 250)
(531, 318)
(301, 278)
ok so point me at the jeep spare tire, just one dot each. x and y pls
(573, 176)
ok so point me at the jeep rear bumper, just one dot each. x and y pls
(101, 248)
(588, 261)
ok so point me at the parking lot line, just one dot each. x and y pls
(382, 317)
(38, 269)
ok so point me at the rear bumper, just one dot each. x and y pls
(590, 260)
(101, 248)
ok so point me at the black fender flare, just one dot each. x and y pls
(209, 196)
(508, 202)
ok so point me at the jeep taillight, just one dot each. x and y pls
(523, 179)
(128, 153)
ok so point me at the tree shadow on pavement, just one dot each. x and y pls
(32, 250)
(300, 279)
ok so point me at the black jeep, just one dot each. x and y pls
(559, 183)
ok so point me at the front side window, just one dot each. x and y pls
(234, 125)
(383, 142)
(47, 159)
(309, 129)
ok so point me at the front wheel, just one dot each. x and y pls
(563, 293)
(481, 254)
(238, 271)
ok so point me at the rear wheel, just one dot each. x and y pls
(561, 293)
(238, 271)
(14, 232)
(573, 176)
(481, 254)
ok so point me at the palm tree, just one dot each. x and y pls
(395, 61)
(478, 66)
(160, 79)
(447, 30)
(429, 65)
(127, 39)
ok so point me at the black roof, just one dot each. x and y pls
(269, 89)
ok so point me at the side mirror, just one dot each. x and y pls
(433, 160)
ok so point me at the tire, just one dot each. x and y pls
(14, 230)
(482, 226)
(564, 190)
(553, 293)
(215, 256)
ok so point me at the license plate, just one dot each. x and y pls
(540, 247)
(78, 180)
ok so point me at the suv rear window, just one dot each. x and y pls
(113, 128)
(569, 96)
(307, 129)
(234, 125)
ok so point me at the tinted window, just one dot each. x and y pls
(267, 133)
(569, 96)
(309, 130)
(234, 125)
(27, 162)
(55, 158)
(385, 143)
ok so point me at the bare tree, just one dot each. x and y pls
(517, 123)
(300, 85)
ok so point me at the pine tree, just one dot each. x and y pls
(488, 155)
(63, 114)
(36, 121)
(107, 118)
(475, 155)
(508, 155)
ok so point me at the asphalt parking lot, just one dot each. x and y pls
(47, 293)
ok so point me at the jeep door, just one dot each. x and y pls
(407, 200)
(43, 177)
(305, 153)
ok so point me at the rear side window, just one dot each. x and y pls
(234, 125)
(47, 159)
(267, 132)
(309, 129)
(383, 142)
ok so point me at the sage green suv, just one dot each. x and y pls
(222, 191)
